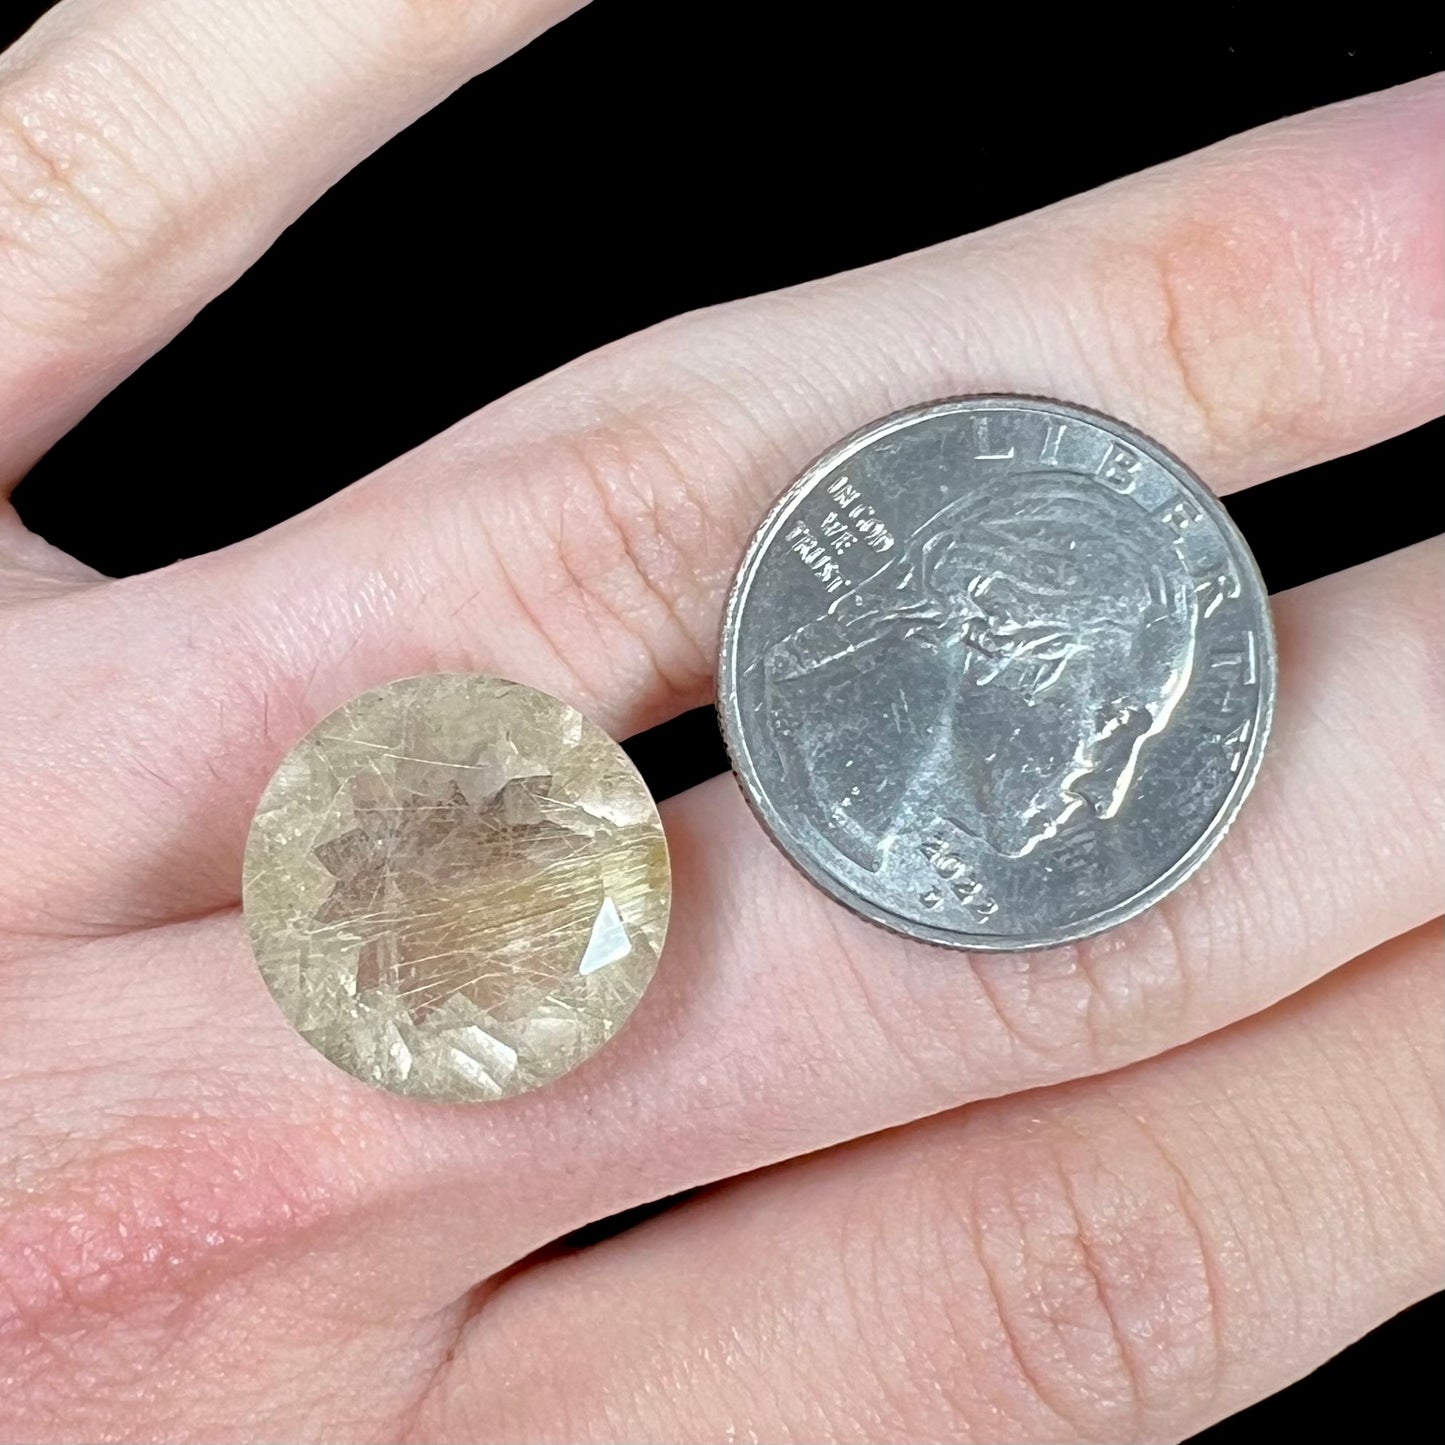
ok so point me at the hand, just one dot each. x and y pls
(208, 1233)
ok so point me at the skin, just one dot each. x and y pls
(1227, 1165)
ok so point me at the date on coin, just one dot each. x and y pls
(997, 672)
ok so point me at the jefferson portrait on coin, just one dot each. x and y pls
(1002, 671)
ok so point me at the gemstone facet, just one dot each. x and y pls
(457, 887)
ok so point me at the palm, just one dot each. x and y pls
(206, 1232)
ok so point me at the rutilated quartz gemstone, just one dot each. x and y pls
(457, 887)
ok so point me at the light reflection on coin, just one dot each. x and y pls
(457, 887)
(997, 672)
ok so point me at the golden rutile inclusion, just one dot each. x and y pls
(457, 887)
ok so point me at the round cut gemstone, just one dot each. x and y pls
(457, 887)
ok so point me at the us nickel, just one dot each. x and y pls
(997, 672)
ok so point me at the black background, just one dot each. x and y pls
(645, 159)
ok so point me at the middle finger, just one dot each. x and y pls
(779, 1024)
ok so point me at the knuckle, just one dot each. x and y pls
(141, 1167)
(136, 1217)
(624, 554)
(111, 1264)
(1005, 1020)
(1082, 1007)
(1222, 308)
(82, 179)
(1030, 1018)
(1098, 1276)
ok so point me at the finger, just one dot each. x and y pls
(580, 535)
(1129, 1258)
(779, 1024)
(150, 150)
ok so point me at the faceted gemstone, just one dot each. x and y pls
(457, 887)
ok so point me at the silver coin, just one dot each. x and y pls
(997, 672)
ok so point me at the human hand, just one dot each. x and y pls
(208, 1233)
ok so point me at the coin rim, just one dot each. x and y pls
(772, 820)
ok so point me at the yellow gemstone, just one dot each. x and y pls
(457, 887)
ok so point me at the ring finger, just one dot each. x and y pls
(1108, 1260)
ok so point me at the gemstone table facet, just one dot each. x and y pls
(457, 887)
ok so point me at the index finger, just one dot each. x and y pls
(150, 150)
